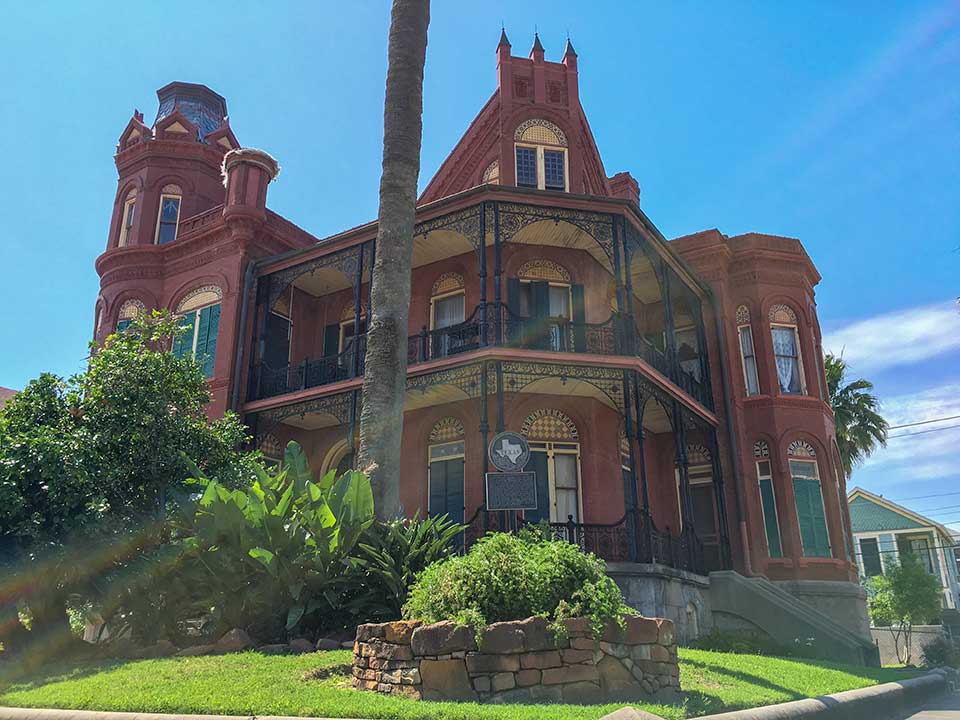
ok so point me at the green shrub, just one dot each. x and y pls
(386, 562)
(941, 652)
(269, 559)
(511, 577)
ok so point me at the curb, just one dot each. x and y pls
(13, 713)
(878, 702)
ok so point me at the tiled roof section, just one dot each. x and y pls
(868, 516)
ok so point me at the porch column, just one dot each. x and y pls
(497, 281)
(256, 356)
(704, 353)
(621, 341)
(484, 429)
(630, 484)
(357, 309)
(631, 324)
(500, 422)
(647, 556)
(720, 497)
(680, 442)
(483, 276)
(352, 429)
(373, 259)
(671, 340)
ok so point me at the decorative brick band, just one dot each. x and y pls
(518, 661)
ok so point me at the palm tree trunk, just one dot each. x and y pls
(384, 382)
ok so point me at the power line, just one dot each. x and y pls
(924, 497)
(922, 432)
(923, 422)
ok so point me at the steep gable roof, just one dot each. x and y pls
(527, 89)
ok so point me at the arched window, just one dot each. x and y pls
(544, 302)
(747, 354)
(126, 221)
(445, 469)
(768, 499)
(129, 311)
(808, 496)
(447, 301)
(555, 458)
(786, 349)
(541, 155)
(491, 176)
(169, 216)
(200, 317)
(348, 327)
(339, 458)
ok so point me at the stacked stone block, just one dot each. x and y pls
(519, 661)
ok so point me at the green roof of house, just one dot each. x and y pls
(869, 516)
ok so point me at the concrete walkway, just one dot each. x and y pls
(946, 707)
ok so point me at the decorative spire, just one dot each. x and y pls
(503, 38)
(569, 49)
(537, 47)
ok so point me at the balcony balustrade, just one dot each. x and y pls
(481, 328)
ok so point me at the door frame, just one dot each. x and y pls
(549, 447)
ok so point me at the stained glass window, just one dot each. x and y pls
(169, 215)
(526, 167)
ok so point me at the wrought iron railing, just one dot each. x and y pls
(633, 538)
(496, 325)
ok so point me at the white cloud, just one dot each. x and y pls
(924, 452)
(897, 338)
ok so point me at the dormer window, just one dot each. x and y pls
(126, 224)
(169, 215)
(541, 156)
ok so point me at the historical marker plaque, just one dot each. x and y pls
(509, 452)
(511, 491)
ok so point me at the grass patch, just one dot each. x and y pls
(318, 685)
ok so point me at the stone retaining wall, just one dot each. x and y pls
(518, 661)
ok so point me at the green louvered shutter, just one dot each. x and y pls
(207, 338)
(770, 518)
(813, 524)
(184, 342)
(123, 325)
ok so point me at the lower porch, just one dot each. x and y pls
(621, 468)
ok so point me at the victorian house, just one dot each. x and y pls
(671, 391)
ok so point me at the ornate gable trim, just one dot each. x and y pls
(446, 429)
(801, 449)
(448, 282)
(549, 424)
(538, 130)
(541, 269)
(782, 314)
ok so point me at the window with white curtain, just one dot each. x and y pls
(448, 310)
(786, 351)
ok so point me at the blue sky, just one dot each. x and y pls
(837, 123)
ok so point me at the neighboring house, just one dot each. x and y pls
(671, 392)
(5, 395)
(884, 531)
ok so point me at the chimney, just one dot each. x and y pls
(246, 174)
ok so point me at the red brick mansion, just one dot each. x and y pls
(671, 391)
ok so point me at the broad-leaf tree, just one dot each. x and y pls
(906, 595)
(85, 464)
(860, 427)
(384, 384)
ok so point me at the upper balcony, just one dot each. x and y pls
(528, 276)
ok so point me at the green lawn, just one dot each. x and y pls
(248, 683)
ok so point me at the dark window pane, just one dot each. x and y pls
(168, 233)
(131, 210)
(553, 170)
(526, 167)
(870, 553)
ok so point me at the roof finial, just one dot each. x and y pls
(569, 49)
(503, 38)
(537, 47)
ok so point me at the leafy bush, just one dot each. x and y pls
(387, 560)
(268, 559)
(941, 652)
(511, 577)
